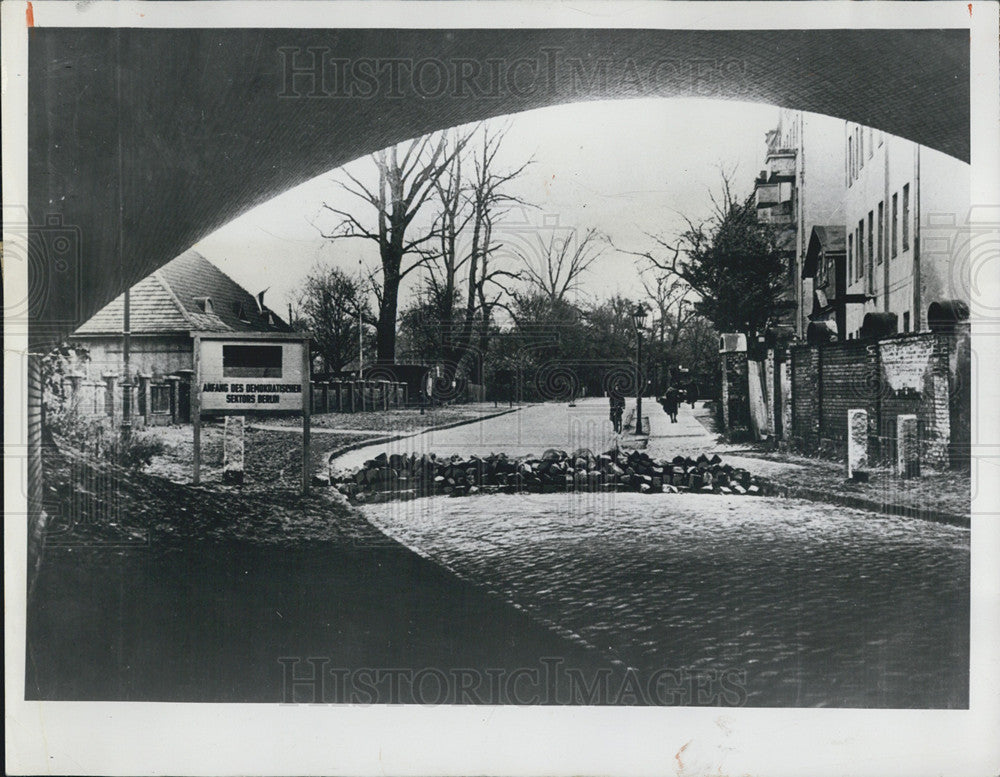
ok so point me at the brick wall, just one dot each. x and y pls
(960, 393)
(805, 396)
(914, 379)
(921, 374)
(845, 384)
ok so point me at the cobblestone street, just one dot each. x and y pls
(818, 605)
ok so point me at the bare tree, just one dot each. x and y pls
(489, 202)
(406, 179)
(472, 201)
(559, 265)
(443, 279)
(671, 297)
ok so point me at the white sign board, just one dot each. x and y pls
(251, 375)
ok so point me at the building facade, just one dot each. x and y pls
(903, 207)
(801, 185)
(186, 295)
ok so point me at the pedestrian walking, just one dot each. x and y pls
(670, 401)
(617, 400)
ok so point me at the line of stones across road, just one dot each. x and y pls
(397, 476)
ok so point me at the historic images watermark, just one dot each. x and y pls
(317, 71)
(314, 680)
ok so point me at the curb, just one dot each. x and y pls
(338, 452)
(869, 505)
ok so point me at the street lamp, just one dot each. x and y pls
(639, 319)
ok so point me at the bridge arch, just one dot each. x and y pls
(142, 142)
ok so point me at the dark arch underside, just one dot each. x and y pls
(141, 142)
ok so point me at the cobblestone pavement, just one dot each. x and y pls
(818, 606)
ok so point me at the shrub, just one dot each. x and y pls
(98, 438)
(138, 449)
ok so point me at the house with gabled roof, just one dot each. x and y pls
(186, 295)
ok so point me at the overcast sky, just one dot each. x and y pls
(625, 167)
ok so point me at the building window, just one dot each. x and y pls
(850, 160)
(906, 321)
(861, 148)
(159, 396)
(860, 264)
(871, 143)
(895, 225)
(850, 257)
(906, 217)
(881, 220)
(871, 238)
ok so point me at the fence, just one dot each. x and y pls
(154, 402)
(167, 400)
(355, 396)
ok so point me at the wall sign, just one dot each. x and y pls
(251, 372)
(257, 375)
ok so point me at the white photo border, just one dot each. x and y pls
(148, 738)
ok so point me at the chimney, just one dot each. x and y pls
(260, 299)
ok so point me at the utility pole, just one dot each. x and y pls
(361, 339)
(126, 369)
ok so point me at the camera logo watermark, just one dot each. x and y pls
(50, 255)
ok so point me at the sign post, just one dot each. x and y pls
(259, 372)
(306, 412)
(196, 409)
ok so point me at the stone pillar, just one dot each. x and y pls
(907, 446)
(874, 380)
(110, 383)
(74, 379)
(857, 444)
(725, 394)
(175, 398)
(233, 450)
(145, 397)
(770, 394)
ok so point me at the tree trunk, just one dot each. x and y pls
(385, 338)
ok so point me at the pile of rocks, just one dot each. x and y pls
(397, 476)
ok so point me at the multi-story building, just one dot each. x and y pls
(903, 205)
(801, 186)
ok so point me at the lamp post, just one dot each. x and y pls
(639, 319)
